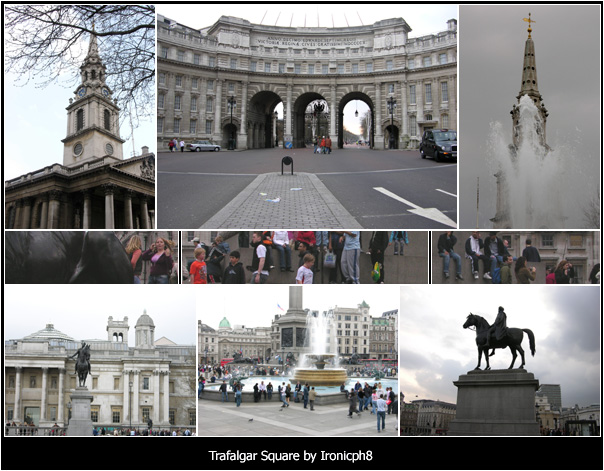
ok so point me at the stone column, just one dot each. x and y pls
(333, 134)
(18, 214)
(17, 406)
(135, 398)
(126, 396)
(109, 189)
(44, 399)
(156, 401)
(404, 105)
(377, 132)
(144, 213)
(129, 224)
(288, 115)
(242, 137)
(26, 213)
(452, 89)
(60, 410)
(419, 100)
(54, 207)
(166, 418)
(44, 215)
(87, 216)
(218, 109)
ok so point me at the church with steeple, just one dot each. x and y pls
(94, 187)
(529, 88)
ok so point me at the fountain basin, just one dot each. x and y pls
(320, 377)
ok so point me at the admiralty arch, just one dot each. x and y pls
(224, 82)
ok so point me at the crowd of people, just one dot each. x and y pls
(499, 266)
(376, 399)
(338, 252)
(322, 145)
(143, 432)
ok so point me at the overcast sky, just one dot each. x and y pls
(567, 41)
(435, 349)
(256, 306)
(423, 19)
(82, 311)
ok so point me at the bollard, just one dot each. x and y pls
(287, 160)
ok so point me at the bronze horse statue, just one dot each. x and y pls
(82, 366)
(70, 257)
(512, 338)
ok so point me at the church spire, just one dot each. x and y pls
(92, 70)
(529, 87)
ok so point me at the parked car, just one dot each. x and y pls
(440, 144)
(198, 146)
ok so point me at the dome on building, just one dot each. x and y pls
(224, 324)
(49, 333)
(144, 320)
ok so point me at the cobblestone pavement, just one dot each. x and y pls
(287, 201)
(270, 419)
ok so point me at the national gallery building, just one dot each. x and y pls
(154, 379)
(224, 82)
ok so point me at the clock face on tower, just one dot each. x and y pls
(81, 92)
(105, 91)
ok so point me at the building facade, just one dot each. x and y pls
(224, 82)
(154, 379)
(94, 187)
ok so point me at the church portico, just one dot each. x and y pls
(94, 187)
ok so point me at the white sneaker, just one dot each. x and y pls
(475, 275)
(486, 276)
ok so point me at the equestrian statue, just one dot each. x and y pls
(498, 335)
(82, 366)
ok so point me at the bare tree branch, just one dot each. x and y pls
(45, 44)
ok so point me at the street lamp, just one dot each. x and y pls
(232, 104)
(318, 108)
(391, 102)
(276, 128)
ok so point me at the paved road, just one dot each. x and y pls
(359, 188)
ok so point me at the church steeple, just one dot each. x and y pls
(529, 87)
(92, 115)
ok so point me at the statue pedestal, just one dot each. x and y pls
(495, 402)
(80, 423)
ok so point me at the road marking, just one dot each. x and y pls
(446, 192)
(430, 213)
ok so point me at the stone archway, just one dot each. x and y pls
(340, 117)
(391, 136)
(229, 135)
(261, 119)
(298, 118)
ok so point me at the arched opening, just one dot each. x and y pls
(363, 123)
(229, 135)
(262, 122)
(391, 136)
(310, 118)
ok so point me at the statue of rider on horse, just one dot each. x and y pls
(82, 366)
(498, 335)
